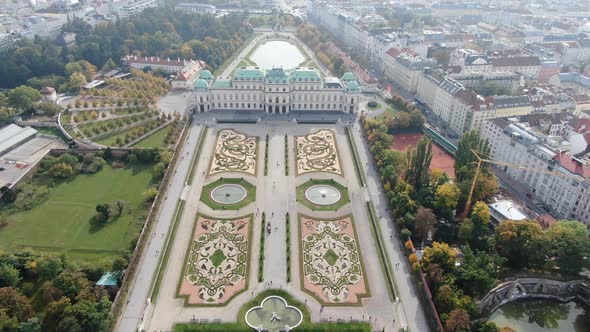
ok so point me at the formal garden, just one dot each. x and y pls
(317, 152)
(331, 264)
(234, 152)
(217, 260)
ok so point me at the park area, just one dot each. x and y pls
(440, 158)
(62, 222)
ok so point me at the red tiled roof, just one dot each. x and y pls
(581, 99)
(393, 52)
(567, 161)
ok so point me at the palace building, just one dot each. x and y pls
(276, 91)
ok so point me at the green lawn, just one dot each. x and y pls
(388, 114)
(300, 195)
(250, 194)
(155, 140)
(51, 131)
(62, 222)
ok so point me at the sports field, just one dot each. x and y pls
(440, 158)
(62, 222)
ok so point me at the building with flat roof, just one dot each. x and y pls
(12, 136)
(277, 91)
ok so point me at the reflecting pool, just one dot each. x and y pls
(277, 53)
(543, 315)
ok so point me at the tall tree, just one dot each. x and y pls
(570, 243)
(425, 223)
(458, 321)
(522, 243)
(419, 163)
(440, 254)
(465, 159)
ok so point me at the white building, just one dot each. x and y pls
(276, 91)
(405, 68)
(168, 65)
(127, 8)
(550, 173)
(12, 136)
(196, 8)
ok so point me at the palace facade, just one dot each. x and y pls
(276, 91)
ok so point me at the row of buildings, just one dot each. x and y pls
(551, 152)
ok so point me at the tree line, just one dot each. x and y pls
(430, 207)
(159, 32)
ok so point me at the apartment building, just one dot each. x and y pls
(405, 67)
(549, 171)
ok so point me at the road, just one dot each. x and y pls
(132, 312)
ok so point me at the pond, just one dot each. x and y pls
(277, 53)
(543, 316)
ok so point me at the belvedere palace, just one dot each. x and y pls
(276, 91)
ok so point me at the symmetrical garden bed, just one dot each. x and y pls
(317, 153)
(234, 152)
(217, 259)
(330, 260)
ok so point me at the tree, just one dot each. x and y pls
(104, 211)
(108, 153)
(465, 159)
(119, 264)
(49, 267)
(440, 254)
(487, 327)
(458, 321)
(77, 81)
(425, 223)
(466, 231)
(446, 199)
(570, 243)
(120, 206)
(478, 272)
(90, 315)
(150, 194)
(23, 98)
(61, 170)
(54, 314)
(8, 194)
(32, 325)
(9, 276)
(48, 108)
(15, 304)
(71, 283)
(445, 299)
(419, 163)
(522, 243)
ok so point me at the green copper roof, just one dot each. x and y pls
(353, 86)
(107, 279)
(248, 73)
(221, 84)
(201, 84)
(276, 75)
(348, 76)
(205, 74)
(305, 75)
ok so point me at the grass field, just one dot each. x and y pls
(154, 140)
(51, 131)
(388, 114)
(62, 222)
